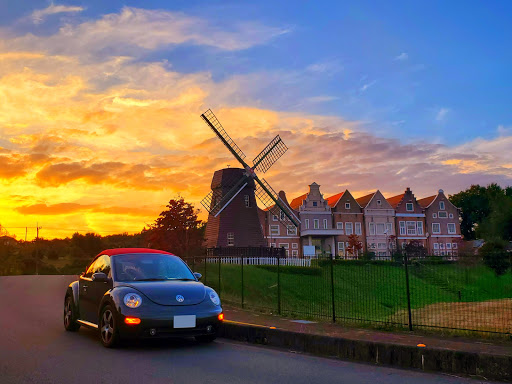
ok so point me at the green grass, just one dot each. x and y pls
(363, 292)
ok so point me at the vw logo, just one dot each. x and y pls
(180, 298)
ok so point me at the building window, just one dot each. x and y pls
(284, 245)
(274, 229)
(231, 239)
(349, 228)
(381, 245)
(347, 205)
(358, 228)
(450, 215)
(411, 228)
(442, 215)
(291, 230)
(295, 245)
(448, 245)
(372, 228)
(325, 223)
(247, 201)
(274, 218)
(420, 228)
(273, 245)
(454, 246)
(295, 253)
(436, 245)
(402, 228)
(409, 207)
(341, 248)
(316, 223)
(451, 228)
(314, 203)
(379, 202)
(282, 215)
(307, 223)
(380, 228)
(339, 226)
(441, 205)
(436, 228)
(441, 245)
(434, 215)
(389, 228)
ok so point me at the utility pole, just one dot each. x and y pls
(26, 230)
(37, 247)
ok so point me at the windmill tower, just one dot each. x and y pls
(233, 216)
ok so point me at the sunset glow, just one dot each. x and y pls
(99, 127)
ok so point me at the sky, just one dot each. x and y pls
(100, 102)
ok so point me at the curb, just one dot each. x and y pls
(488, 366)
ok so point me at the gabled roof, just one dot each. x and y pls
(364, 200)
(333, 200)
(395, 200)
(123, 251)
(297, 202)
(425, 202)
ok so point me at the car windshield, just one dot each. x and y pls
(150, 267)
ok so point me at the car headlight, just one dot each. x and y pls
(132, 300)
(214, 297)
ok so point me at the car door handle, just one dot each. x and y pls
(85, 287)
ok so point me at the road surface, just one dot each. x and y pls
(35, 348)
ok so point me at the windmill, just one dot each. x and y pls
(227, 186)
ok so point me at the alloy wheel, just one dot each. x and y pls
(107, 326)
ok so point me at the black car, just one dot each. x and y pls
(142, 293)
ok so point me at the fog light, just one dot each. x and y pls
(132, 320)
(221, 316)
(209, 329)
(152, 331)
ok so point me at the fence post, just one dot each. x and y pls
(278, 285)
(242, 281)
(332, 290)
(408, 290)
(219, 276)
(205, 262)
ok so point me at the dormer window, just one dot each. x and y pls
(347, 205)
(379, 202)
(315, 203)
(441, 205)
(409, 207)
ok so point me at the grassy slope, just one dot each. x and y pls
(365, 292)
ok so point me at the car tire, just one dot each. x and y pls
(205, 338)
(109, 333)
(70, 315)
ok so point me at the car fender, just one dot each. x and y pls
(115, 297)
(73, 291)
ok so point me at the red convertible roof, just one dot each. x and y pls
(122, 251)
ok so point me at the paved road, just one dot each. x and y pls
(34, 348)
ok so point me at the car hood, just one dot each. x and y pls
(165, 292)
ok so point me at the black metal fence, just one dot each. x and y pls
(433, 292)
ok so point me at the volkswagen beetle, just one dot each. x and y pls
(142, 293)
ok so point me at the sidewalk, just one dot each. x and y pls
(491, 359)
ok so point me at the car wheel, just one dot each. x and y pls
(205, 338)
(70, 317)
(109, 333)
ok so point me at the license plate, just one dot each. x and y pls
(186, 321)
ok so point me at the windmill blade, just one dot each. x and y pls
(215, 201)
(216, 126)
(270, 154)
(271, 200)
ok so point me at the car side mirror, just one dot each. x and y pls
(100, 277)
(198, 275)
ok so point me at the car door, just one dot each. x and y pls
(85, 302)
(98, 288)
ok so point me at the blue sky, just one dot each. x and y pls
(100, 126)
(438, 71)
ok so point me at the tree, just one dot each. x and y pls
(495, 256)
(474, 205)
(414, 249)
(354, 244)
(177, 229)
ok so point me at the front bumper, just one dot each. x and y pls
(162, 325)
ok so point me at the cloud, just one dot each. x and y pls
(402, 57)
(442, 113)
(135, 30)
(325, 67)
(38, 15)
(73, 208)
(365, 87)
(321, 99)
